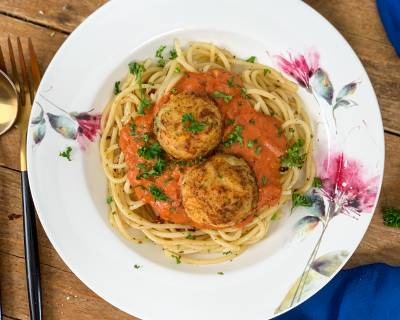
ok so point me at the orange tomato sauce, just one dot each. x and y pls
(262, 145)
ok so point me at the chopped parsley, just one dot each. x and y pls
(266, 71)
(66, 153)
(391, 217)
(226, 253)
(294, 158)
(177, 259)
(177, 70)
(243, 92)
(173, 90)
(317, 183)
(146, 137)
(151, 151)
(161, 61)
(264, 180)
(252, 121)
(220, 273)
(117, 88)
(157, 193)
(234, 136)
(133, 129)
(280, 131)
(136, 266)
(218, 94)
(252, 59)
(258, 150)
(251, 143)
(172, 54)
(194, 126)
(109, 199)
(156, 170)
(190, 237)
(300, 201)
(230, 82)
(291, 130)
(230, 122)
(136, 69)
(143, 104)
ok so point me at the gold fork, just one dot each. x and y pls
(26, 88)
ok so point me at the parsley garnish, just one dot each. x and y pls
(136, 69)
(291, 130)
(317, 183)
(66, 153)
(177, 70)
(172, 54)
(218, 94)
(161, 61)
(194, 126)
(117, 88)
(230, 82)
(158, 193)
(174, 90)
(251, 143)
(234, 136)
(190, 237)
(243, 92)
(230, 122)
(258, 150)
(157, 169)
(391, 217)
(136, 266)
(266, 71)
(146, 137)
(226, 253)
(109, 199)
(144, 103)
(252, 59)
(264, 180)
(151, 151)
(133, 129)
(177, 259)
(294, 158)
(220, 273)
(299, 200)
(280, 131)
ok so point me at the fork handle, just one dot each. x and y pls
(31, 250)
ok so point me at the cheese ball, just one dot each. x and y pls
(221, 192)
(188, 126)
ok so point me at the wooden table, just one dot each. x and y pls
(48, 23)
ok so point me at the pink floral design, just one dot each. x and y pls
(301, 67)
(88, 127)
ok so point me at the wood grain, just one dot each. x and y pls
(48, 23)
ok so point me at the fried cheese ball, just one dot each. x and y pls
(220, 192)
(188, 126)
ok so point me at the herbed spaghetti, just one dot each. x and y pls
(149, 85)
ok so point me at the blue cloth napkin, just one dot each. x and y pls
(389, 10)
(370, 292)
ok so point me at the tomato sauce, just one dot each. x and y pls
(262, 144)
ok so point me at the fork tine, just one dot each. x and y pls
(25, 81)
(2, 62)
(15, 73)
(34, 66)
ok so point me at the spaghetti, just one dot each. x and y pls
(267, 91)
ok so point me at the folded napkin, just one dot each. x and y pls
(389, 10)
(370, 292)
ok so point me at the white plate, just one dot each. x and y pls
(70, 195)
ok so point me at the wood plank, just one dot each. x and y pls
(61, 15)
(362, 28)
(46, 43)
(65, 297)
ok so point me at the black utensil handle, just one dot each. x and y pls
(31, 250)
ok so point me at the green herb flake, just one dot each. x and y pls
(143, 104)
(133, 129)
(234, 136)
(264, 180)
(220, 273)
(172, 54)
(266, 71)
(109, 199)
(252, 59)
(218, 94)
(275, 216)
(136, 69)
(177, 70)
(177, 259)
(151, 151)
(173, 90)
(280, 131)
(136, 266)
(117, 88)
(190, 237)
(391, 217)
(258, 150)
(251, 143)
(294, 157)
(291, 130)
(317, 182)
(194, 126)
(66, 153)
(243, 93)
(230, 122)
(230, 82)
(226, 253)
(300, 201)
(161, 61)
(157, 193)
